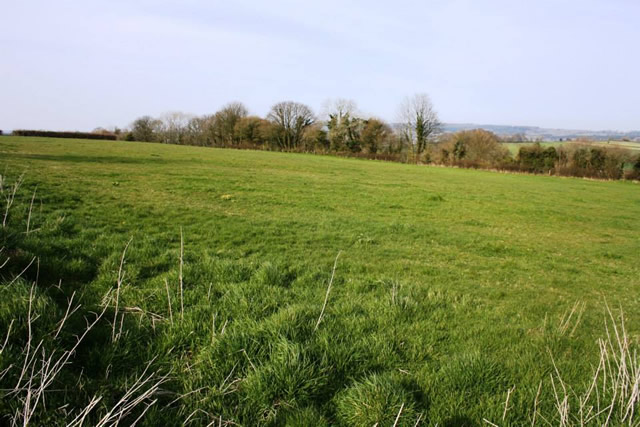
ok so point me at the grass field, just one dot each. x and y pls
(447, 304)
(628, 145)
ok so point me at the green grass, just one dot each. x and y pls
(449, 291)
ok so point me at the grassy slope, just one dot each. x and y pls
(484, 263)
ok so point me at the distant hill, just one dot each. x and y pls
(546, 134)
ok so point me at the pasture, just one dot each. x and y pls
(627, 145)
(459, 295)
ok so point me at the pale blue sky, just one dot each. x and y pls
(79, 64)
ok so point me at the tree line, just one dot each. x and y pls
(341, 129)
(63, 134)
(293, 126)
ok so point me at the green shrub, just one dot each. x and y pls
(536, 159)
(634, 173)
(592, 162)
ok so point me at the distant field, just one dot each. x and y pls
(450, 289)
(634, 146)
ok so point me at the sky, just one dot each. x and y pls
(80, 64)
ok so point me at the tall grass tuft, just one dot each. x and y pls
(612, 394)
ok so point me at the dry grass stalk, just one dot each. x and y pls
(180, 275)
(613, 393)
(3, 263)
(30, 209)
(79, 420)
(145, 386)
(41, 366)
(10, 196)
(231, 387)
(119, 281)
(248, 359)
(535, 404)
(577, 309)
(326, 297)
(15, 279)
(38, 373)
(191, 415)
(506, 402)
(166, 285)
(67, 314)
(29, 338)
(394, 293)
(213, 328)
(395, 423)
(6, 339)
(614, 389)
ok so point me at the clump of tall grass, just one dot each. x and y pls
(612, 394)
(379, 399)
(33, 373)
(608, 396)
(41, 342)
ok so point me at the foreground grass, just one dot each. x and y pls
(450, 289)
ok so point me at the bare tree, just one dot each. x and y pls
(339, 107)
(195, 132)
(420, 120)
(174, 127)
(291, 119)
(225, 120)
